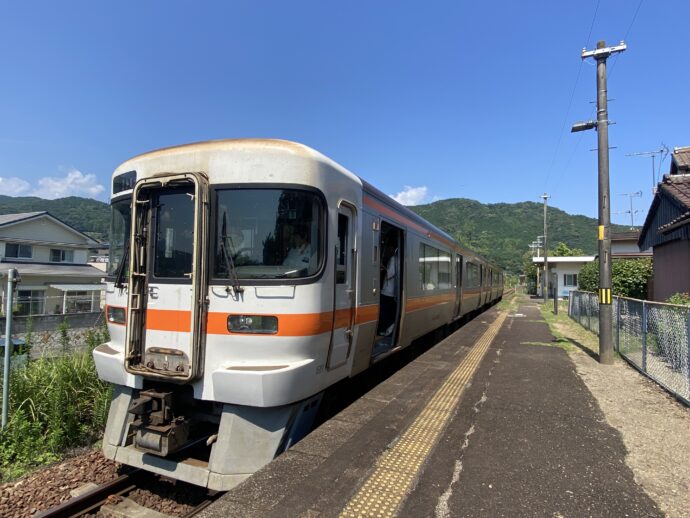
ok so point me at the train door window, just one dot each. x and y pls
(458, 269)
(174, 213)
(341, 250)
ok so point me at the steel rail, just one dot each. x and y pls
(93, 499)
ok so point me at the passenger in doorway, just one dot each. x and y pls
(299, 255)
(389, 291)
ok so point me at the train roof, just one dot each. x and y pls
(301, 150)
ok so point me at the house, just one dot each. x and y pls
(565, 269)
(624, 246)
(51, 257)
(667, 229)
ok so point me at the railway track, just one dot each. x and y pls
(110, 493)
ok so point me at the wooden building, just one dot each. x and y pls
(667, 229)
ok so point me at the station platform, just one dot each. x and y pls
(491, 421)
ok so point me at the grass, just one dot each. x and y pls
(566, 330)
(56, 404)
(508, 303)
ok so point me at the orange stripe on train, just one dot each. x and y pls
(290, 324)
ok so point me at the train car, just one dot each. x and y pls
(245, 278)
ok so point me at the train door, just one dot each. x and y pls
(391, 263)
(166, 309)
(344, 293)
(458, 285)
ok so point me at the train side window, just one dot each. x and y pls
(473, 275)
(341, 250)
(434, 268)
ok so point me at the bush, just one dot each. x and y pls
(629, 277)
(679, 298)
(55, 404)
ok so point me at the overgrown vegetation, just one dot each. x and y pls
(55, 404)
(629, 277)
(679, 298)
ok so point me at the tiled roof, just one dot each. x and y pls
(681, 160)
(82, 271)
(678, 186)
(625, 236)
(5, 219)
(683, 219)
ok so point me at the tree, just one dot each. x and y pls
(563, 250)
(529, 269)
(629, 277)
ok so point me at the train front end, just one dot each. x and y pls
(219, 304)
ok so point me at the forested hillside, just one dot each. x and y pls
(500, 231)
(84, 214)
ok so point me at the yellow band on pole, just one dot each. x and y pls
(601, 232)
(605, 296)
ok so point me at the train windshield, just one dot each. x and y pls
(267, 234)
(119, 234)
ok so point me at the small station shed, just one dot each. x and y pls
(566, 269)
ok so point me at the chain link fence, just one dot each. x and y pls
(652, 336)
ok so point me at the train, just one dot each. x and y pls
(246, 277)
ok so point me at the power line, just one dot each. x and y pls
(570, 102)
(625, 38)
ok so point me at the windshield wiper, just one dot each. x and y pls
(120, 273)
(227, 257)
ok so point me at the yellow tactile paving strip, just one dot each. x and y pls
(397, 469)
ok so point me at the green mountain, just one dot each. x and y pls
(89, 216)
(502, 232)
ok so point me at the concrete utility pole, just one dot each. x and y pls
(601, 54)
(545, 281)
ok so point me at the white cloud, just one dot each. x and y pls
(411, 195)
(13, 186)
(75, 183)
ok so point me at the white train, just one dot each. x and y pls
(246, 277)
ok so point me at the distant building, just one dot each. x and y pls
(566, 269)
(667, 231)
(51, 257)
(624, 246)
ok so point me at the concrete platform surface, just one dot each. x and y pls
(524, 437)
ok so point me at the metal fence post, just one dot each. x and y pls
(687, 345)
(12, 277)
(618, 324)
(644, 336)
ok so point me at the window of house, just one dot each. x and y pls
(61, 256)
(30, 302)
(570, 279)
(17, 251)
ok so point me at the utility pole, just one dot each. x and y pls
(545, 281)
(601, 54)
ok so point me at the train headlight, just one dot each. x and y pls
(261, 324)
(116, 315)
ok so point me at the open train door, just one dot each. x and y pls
(344, 291)
(167, 282)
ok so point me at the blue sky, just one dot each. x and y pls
(431, 99)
